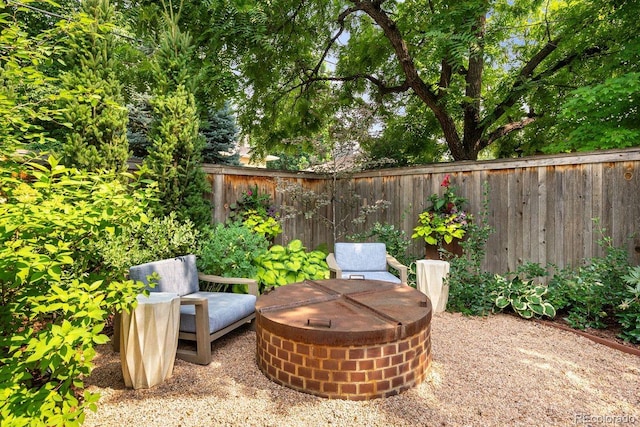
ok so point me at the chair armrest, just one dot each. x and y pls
(253, 284)
(334, 268)
(202, 354)
(402, 269)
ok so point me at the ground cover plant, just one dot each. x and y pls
(598, 294)
(282, 265)
(601, 293)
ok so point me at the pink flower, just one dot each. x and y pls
(445, 181)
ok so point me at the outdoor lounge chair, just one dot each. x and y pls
(204, 316)
(364, 260)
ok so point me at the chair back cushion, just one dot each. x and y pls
(361, 256)
(177, 275)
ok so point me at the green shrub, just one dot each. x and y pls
(469, 293)
(283, 265)
(628, 313)
(175, 157)
(266, 226)
(55, 294)
(254, 211)
(229, 250)
(139, 242)
(251, 200)
(591, 294)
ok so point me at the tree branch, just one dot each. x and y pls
(517, 88)
(505, 130)
(413, 79)
(336, 36)
(382, 87)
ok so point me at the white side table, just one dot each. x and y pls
(430, 274)
(149, 340)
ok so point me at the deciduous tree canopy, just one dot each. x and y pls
(484, 69)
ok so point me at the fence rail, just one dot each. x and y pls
(541, 208)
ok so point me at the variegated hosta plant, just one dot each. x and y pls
(525, 298)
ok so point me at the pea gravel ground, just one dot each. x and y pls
(495, 371)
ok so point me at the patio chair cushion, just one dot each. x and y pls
(224, 309)
(361, 256)
(177, 275)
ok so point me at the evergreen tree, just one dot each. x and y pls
(140, 118)
(94, 106)
(220, 133)
(174, 156)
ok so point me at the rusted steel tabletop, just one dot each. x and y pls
(344, 311)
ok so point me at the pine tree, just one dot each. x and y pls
(94, 110)
(220, 133)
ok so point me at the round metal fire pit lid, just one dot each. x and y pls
(344, 312)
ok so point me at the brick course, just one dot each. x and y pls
(353, 372)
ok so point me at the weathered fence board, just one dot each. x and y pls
(541, 208)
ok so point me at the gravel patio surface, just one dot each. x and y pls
(495, 371)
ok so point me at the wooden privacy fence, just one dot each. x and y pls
(541, 208)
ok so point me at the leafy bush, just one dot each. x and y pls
(158, 238)
(254, 211)
(283, 265)
(251, 200)
(444, 220)
(579, 294)
(266, 226)
(629, 310)
(470, 294)
(55, 293)
(590, 294)
(229, 250)
(524, 297)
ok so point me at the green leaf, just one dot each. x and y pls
(519, 305)
(533, 299)
(527, 314)
(537, 308)
(502, 302)
(100, 339)
(295, 246)
(548, 310)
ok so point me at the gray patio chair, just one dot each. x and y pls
(204, 316)
(364, 260)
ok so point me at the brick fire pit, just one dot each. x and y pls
(344, 339)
